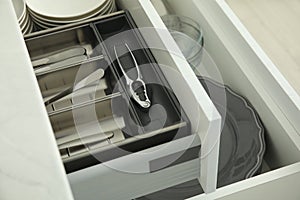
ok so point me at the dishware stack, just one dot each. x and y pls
(242, 143)
(23, 17)
(52, 13)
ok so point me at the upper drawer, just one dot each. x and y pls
(203, 118)
(229, 48)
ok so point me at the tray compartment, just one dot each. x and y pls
(46, 44)
(124, 31)
(108, 100)
(58, 80)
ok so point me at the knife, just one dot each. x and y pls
(91, 78)
(58, 56)
(45, 68)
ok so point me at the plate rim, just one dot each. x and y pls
(248, 105)
(41, 11)
(62, 21)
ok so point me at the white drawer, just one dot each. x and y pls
(205, 123)
(246, 69)
(235, 52)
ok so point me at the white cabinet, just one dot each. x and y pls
(246, 69)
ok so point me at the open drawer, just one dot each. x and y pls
(141, 152)
(230, 46)
(233, 52)
(247, 70)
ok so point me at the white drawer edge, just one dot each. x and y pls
(261, 185)
(120, 185)
(276, 85)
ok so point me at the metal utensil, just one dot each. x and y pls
(54, 66)
(91, 78)
(102, 85)
(137, 87)
(87, 140)
(59, 56)
(92, 128)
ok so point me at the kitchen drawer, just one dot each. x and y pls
(247, 70)
(228, 45)
(151, 164)
(143, 167)
(235, 52)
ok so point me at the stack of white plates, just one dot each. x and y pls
(25, 22)
(53, 13)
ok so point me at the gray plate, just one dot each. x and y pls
(242, 143)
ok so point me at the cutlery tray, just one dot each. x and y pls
(75, 118)
(123, 31)
(42, 44)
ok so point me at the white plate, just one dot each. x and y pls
(20, 8)
(45, 23)
(28, 28)
(57, 21)
(40, 24)
(63, 8)
(111, 9)
(23, 18)
(24, 21)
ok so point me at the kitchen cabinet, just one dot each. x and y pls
(242, 65)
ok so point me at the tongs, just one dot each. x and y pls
(137, 87)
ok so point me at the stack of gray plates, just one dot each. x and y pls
(242, 144)
(24, 19)
(53, 13)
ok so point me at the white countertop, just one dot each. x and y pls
(30, 164)
(275, 26)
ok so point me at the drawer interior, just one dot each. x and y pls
(104, 113)
(158, 88)
(52, 83)
(281, 150)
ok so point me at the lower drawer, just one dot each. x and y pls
(247, 70)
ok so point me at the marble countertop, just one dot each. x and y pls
(30, 164)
